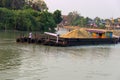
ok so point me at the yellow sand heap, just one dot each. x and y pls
(77, 33)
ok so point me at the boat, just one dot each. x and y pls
(76, 37)
(84, 37)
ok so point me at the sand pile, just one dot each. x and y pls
(116, 32)
(77, 33)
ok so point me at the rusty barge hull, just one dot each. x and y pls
(69, 41)
(90, 41)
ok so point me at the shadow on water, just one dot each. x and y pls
(83, 50)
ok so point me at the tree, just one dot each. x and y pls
(6, 19)
(12, 4)
(57, 16)
(17, 4)
(74, 18)
(25, 20)
(5, 3)
(47, 22)
(38, 5)
(97, 21)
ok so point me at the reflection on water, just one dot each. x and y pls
(37, 62)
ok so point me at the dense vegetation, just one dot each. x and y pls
(27, 16)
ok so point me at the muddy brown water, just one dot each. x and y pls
(38, 62)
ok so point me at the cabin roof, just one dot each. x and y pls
(98, 30)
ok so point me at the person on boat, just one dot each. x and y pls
(30, 35)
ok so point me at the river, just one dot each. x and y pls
(37, 62)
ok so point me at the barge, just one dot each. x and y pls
(73, 38)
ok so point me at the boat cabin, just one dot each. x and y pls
(96, 33)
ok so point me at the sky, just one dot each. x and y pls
(87, 8)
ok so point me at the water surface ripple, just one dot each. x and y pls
(38, 62)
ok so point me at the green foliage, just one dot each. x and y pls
(38, 5)
(47, 22)
(74, 18)
(12, 4)
(27, 15)
(57, 16)
(26, 20)
(6, 19)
